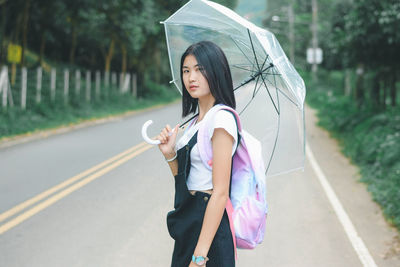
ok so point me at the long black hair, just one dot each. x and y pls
(215, 69)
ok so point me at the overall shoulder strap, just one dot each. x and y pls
(192, 141)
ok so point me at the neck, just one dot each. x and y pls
(204, 106)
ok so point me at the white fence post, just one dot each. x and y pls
(77, 82)
(53, 85)
(4, 85)
(39, 85)
(106, 78)
(121, 81)
(97, 85)
(113, 79)
(66, 86)
(88, 81)
(134, 85)
(23, 88)
(126, 83)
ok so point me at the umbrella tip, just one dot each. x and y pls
(161, 22)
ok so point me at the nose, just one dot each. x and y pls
(192, 76)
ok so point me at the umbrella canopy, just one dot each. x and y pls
(268, 90)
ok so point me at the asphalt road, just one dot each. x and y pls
(98, 196)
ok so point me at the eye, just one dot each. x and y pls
(185, 71)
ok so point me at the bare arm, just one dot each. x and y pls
(173, 165)
(167, 146)
(222, 143)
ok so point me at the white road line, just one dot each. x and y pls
(356, 241)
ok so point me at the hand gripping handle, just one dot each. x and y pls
(146, 137)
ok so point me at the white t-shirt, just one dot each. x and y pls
(200, 177)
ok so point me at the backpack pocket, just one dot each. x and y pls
(249, 221)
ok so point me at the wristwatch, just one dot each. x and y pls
(199, 260)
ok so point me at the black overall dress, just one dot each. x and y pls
(185, 221)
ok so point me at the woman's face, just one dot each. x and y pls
(196, 84)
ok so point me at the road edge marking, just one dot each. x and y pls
(5, 215)
(356, 241)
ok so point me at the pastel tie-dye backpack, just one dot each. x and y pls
(247, 207)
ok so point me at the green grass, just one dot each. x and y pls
(58, 112)
(368, 136)
(47, 114)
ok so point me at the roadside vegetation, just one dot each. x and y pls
(369, 136)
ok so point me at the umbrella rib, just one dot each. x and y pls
(254, 94)
(255, 86)
(254, 52)
(282, 92)
(241, 68)
(183, 124)
(270, 96)
(242, 51)
(258, 66)
(279, 124)
(276, 141)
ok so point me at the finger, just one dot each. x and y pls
(168, 128)
(159, 138)
(165, 131)
(162, 136)
(175, 131)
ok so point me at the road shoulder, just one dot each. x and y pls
(381, 239)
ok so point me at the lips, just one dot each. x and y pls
(193, 87)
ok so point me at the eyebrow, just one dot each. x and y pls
(197, 65)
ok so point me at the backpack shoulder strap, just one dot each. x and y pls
(237, 121)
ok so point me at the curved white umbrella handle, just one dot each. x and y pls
(146, 137)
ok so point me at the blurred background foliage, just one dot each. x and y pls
(355, 88)
(119, 35)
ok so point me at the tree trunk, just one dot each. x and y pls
(386, 82)
(73, 42)
(157, 61)
(359, 92)
(347, 82)
(109, 55)
(124, 58)
(16, 33)
(375, 90)
(42, 47)
(393, 81)
(25, 30)
(93, 59)
(2, 34)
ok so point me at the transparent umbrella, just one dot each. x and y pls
(268, 90)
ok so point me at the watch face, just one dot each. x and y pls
(200, 261)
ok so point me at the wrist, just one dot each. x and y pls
(170, 156)
(199, 260)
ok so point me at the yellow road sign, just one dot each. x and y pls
(14, 53)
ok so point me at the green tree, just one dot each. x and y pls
(365, 35)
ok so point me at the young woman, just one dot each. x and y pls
(199, 223)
